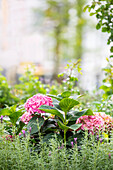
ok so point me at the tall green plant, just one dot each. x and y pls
(29, 85)
(12, 122)
(70, 77)
(6, 95)
(108, 81)
(66, 117)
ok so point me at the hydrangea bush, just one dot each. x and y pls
(100, 121)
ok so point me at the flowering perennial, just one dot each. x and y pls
(108, 120)
(26, 117)
(95, 123)
(32, 105)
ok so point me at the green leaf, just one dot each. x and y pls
(88, 112)
(47, 137)
(5, 112)
(98, 26)
(74, 115)
(14, 116)
(111, 49)
(67, 103)
(56, 105)
(33, 124)
(62, 126)
(55, 97)
(105, 88)
(49, 127)
(13, 108)
(52, 110)
(75, 126)
(104, 29)
(21, 125)
(91, 14)
(111, 56)
(85, 8)
(66, 94)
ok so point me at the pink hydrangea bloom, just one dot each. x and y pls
(95, 123)
(26, 117)
(33, 103)
(91, 123)
(108, 120)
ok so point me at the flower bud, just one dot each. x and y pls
(1, 118)
(72, 144)
(75, 140)
(24, 133)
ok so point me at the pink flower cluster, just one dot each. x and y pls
(32, 105)
(108, 120)
(26, 117)
(91, 123)
(95, 123)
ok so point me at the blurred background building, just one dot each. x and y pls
(21, 44)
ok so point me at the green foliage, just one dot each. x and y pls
(91, 154)
(103, 9)
(12, 121)
(33, 124)
(67, 104)
(70, 77)
(6, 96)
(108, 81)
(29, 85)
(65, 117)
(103, 105)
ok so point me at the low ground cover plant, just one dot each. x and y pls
(92, 153)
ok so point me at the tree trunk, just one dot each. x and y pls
(56, 53)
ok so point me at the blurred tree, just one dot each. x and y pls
(81, 22)
(56, 13)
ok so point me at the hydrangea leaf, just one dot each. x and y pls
(52, 110)
(33, 124)
(66, 94)
(75, 126)
(67, 104)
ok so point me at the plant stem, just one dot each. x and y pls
(65, 129)
(65, 136)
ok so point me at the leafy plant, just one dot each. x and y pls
(29, 85)
(70, 77)
(103, 105)
(107, 86)
(65, 116)
(103, 9)
(91, 154)
(13, 124)
(6, 96)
